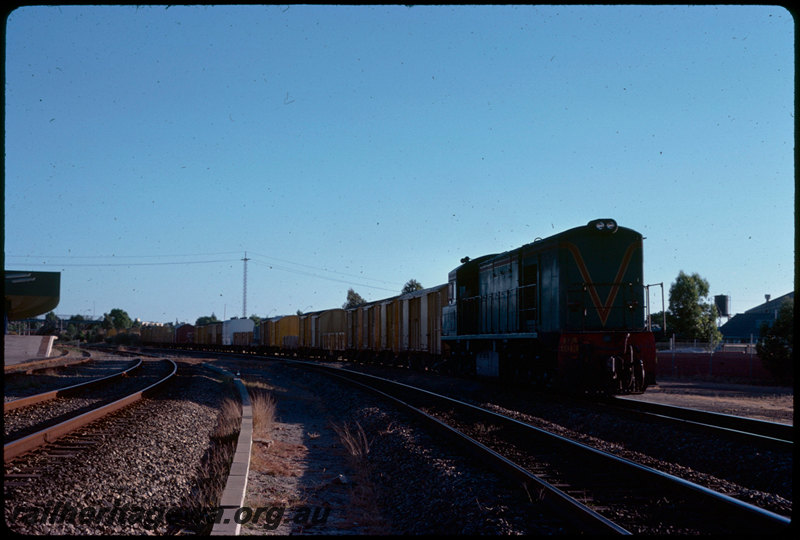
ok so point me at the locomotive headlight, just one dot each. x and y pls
(605, 226)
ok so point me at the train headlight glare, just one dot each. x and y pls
(605, 225)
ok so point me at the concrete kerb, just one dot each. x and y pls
(235, 489)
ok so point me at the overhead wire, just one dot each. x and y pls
(295, 271)
(165, 263)
(325, 269)
(94, 265)
(115, 256)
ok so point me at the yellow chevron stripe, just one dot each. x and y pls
(603, 309)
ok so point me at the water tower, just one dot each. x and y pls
(723, 304)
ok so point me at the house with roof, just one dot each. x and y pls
(746, 327)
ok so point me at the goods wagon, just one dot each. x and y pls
(282, 333)
(157, 334)
(243, 339)
(185, 333)
(323, 332)
(234, 326)
(209, 334)
(401, 330)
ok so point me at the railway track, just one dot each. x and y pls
(64, 360)
(602, 492)
(781, 435)
(108, 371)
(145, 469)
(38, 424)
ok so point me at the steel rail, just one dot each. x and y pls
(60, 392)
(757, 517)
(45, 363)
(560, 501)
(52, 433)
(774, 431)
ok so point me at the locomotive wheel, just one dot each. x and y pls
(639, 374)
(627, 379)
(632, 370)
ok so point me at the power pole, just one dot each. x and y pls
(244, 293)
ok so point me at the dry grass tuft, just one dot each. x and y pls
(278, 459)
(354, 440)
(229, 420)
(364, 508)
(263, 412)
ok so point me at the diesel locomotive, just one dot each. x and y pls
(571, 306)
(568, 309)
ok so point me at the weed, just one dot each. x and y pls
(354, 440)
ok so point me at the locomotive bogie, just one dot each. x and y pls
(610, 362)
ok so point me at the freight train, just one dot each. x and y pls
(568, 310)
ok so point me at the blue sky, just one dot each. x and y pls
(147, 149)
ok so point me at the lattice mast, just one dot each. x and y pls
(244, 291)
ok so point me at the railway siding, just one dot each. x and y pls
(148, 462)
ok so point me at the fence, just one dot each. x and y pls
(732, 364)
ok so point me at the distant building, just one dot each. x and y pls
(744, 327)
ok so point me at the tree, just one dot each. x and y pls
(206, 320)
(256, 319)
(72, 332)
(777, 343)
(51, 325)
(353, 299)
(411, 286)
(693, 315)
(77, 328)
(120, 319)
